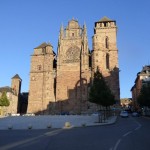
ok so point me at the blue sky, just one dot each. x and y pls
(25, 24)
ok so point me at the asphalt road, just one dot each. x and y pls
(126, 134)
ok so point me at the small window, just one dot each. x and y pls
(33, 78)
(105, 24)
(72, 34)
(39, 67)
(43, 50)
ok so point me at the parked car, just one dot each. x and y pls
(124, 114)
(135, 114)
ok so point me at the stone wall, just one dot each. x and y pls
(65, 88)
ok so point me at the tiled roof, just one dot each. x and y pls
(16, 77)
(145, 69)
(6, 89)
(44, 45)
(105, 19)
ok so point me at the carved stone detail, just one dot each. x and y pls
(72, 55)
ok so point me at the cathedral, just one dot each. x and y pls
(60, 83)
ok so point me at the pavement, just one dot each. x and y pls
(52, 121)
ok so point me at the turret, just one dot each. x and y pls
(16, 84)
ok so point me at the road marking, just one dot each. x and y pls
(138, 127)
(127, 133)
(117, 144)
(53, 132)
(17, 143)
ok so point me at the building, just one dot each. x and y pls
(13, 94)
(142, 78)
(60, 83)
(126, 103)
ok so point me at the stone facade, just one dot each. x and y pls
(13, 94)
(64, 87)
(143, 77)
(41, 91)
(105, 53)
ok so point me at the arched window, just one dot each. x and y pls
(106, 42)
(107, 61)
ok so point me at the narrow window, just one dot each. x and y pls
(107, 61)
(72, 34)
(106, 43)
(39, 67)
(43, 50)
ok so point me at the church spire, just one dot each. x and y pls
(61, 34)
(84, 32)
(61, 31)
(84, 26)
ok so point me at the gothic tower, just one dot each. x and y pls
(105, 53)
(72, 68)
(41, 89)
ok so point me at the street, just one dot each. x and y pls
(126, 134)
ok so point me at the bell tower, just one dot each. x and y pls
(41, 88)
(105, 53)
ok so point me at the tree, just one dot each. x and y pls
(100, 93)
(144, 97)
(4, 100)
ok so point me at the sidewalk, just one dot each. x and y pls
(55, 121)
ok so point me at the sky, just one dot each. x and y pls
(25, 24)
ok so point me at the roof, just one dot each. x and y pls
(73, 24)
(105, 19)
(16, 77)
(44, 45)
(132, 87)
(73, 20)
(145, 68)
(6, 89)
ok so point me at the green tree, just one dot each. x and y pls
(4, 100)
(100, 93)
(144, 97)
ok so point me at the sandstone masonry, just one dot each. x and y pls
(60, 84)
